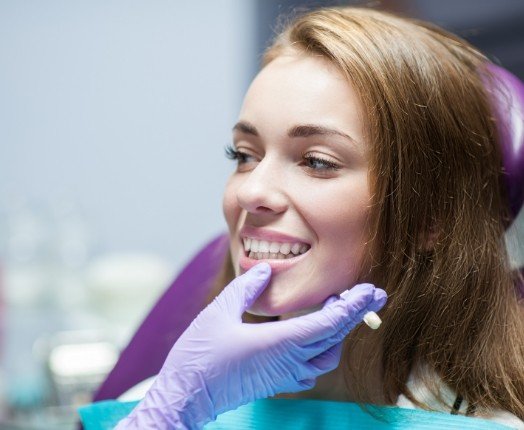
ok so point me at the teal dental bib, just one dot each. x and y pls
(294, 414)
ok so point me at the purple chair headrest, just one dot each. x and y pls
(507, 92)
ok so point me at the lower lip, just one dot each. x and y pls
(277, 265)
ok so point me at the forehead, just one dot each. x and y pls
(295, 89)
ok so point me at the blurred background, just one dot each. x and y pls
(114, 115)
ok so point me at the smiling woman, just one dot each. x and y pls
(370, 138)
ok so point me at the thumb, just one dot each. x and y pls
(331, 299)
(242, 292)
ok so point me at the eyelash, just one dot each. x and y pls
(240, 156)
(233, 154)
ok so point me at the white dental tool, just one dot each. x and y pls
(372, 320)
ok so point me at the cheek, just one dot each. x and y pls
(230, 206)
(340, 211)
(345, 221)
(339, 219)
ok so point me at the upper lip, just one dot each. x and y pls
(269, 235)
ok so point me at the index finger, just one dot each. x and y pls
(337, 315)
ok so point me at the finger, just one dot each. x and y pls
(380, 298)
(317, 348)
(377, 303)
(333, 317)
(328, 360)
(307, 384)
(325, 362)
(331, 299)
(242, 292)
(303, 385)
(371, 319)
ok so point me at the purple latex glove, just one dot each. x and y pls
(220, 363)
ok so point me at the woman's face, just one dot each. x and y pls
(300, 194)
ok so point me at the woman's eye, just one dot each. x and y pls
(239, 156)
(314, 163)
(320, 164)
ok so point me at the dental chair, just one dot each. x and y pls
(184, 299)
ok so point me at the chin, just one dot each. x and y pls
(270, 303)
(273, 304)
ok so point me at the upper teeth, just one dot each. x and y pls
(256, 245)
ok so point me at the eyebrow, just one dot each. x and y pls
(302, 130)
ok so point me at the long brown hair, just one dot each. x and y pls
(436, 229)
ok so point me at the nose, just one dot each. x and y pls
(263, 191)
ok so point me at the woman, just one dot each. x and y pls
(367, 149)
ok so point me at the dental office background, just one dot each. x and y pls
(114, 115)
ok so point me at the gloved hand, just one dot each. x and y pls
(220, 363)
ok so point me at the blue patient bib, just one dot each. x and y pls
(294, 414)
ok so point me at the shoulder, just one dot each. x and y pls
(440, 397)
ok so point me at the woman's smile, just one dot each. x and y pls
(299, 198)
(278, 249)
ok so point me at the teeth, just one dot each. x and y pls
(285, 248)
(295, 248)
(270, 255)
(263, 246)
(274, 247)
(263, 249)
(274, 250)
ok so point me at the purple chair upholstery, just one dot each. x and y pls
(184, 299)
(509, 106)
